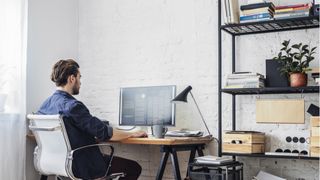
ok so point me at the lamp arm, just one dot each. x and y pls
(204, 122)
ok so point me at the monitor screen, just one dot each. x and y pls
(146, 106)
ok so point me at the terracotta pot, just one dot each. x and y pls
(298, 79)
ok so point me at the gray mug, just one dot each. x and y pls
(158, 131)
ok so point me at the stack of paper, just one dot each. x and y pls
(212, 159)
(184, 133)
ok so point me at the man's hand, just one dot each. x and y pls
(139, 134)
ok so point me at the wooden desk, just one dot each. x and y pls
(170, 146)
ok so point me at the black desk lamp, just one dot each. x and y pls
(182, 97)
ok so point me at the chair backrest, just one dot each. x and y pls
(51, 153)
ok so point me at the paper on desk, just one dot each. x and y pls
(184, 133)
(212, 159)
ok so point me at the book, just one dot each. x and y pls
(242, 81)
(212, 159)
(291, 9)
(255, 16)
(244, 75)
(256, 11)
(256, 20)
(292, 6)
(226, 11)
(257, 5)
(291, 15)
(234, 11)
(231, 8)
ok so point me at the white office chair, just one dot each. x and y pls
(53, 154)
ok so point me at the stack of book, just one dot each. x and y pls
(292, 11)
(212, 160)
(256, 12)
(245, 80)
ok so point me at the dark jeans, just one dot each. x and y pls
(131, 168)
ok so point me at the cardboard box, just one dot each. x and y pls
(315, 121)
(246, 137)
(315, 141)
(315, 151)
(243, 148)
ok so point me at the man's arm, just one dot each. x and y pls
(119, 135)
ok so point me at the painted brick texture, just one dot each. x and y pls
(162, 42)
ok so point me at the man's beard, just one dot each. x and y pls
(75, 90)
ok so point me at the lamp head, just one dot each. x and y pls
(182, 97)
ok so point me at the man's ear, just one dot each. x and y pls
(71, 78)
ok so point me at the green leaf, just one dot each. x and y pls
(296, 46)
(286, 43)
(304, 47)
(313, 49)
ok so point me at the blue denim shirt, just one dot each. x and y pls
(83, 129)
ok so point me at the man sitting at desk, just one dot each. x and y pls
(83, 128)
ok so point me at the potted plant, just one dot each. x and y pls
(295, 62)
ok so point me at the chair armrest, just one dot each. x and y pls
(36, 128)
(115, 175)
(70, 157)
(93, 145)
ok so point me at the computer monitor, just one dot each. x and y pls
(147, 106)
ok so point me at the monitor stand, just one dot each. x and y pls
(125, 128)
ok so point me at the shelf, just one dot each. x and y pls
(272, 90)
(272, 25)
(271, 156)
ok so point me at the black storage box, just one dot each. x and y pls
(273, 76)
(226, 171)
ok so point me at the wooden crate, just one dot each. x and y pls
(245, 137)
(315, 121)
(315, 131)
(315, 141)
(315, 151)
(243, 148)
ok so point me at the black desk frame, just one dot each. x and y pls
(171, 150)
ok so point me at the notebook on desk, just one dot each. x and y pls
(184, 133)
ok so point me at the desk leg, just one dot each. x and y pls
(191, 158)
(162, 165)
(175, 163)
(200, 152)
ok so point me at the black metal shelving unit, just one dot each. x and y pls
(271, 90)
(257, 28)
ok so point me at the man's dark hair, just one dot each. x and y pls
(62, 70)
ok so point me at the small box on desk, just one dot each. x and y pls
(243, 142)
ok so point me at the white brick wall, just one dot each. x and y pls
(159, 42)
